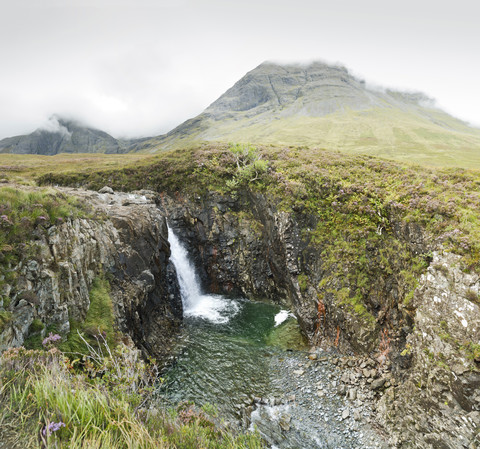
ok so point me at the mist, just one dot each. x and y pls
(140, 68)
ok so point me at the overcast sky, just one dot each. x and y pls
(141, 67)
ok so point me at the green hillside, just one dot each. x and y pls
(326, 107)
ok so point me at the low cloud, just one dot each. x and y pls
(52, 125)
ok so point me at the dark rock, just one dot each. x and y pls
(63, 136)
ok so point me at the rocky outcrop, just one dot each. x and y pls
(63, 136)
(422, 342)
(125, 241)
(438, 404)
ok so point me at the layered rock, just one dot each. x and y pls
(426, 339)
(127, 242)
(63, 136)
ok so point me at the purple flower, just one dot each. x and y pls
(51, 339)
(4, 217)
(52, 427)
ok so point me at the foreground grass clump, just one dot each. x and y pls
(50, 401)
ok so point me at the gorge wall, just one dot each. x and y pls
(399, 300)
(126, 242)
(425, 331)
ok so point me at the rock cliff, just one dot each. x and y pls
(63, 136)
(423, 335)
(126, 241)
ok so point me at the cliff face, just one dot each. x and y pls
(63, 136)
(129, 246)
(425, 336)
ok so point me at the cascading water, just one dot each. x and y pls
(195, 304)
(233, 350)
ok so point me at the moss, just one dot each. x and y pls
(355, 305)
(98, 323)
(302, 282)
(287, 336)
(472, 350)
(5, 319)
(36, 326)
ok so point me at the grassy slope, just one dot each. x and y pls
(431, 138)
(21, 167)
(444, 202)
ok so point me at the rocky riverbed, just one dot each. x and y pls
(325, 403)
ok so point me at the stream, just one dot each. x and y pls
(249, 361)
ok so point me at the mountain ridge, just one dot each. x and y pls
(62, 135)
(314, 105)
(324, 105)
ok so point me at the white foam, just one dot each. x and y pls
(214, 308)
(282, 316)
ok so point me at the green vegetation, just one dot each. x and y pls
(356, 210)
(250, 166)
(23, 168)
(355, 302)
(287, 336)
(98, 324)
(302, 281)
(428, 136)
(49, 401)
(5, 318)
(24, 213)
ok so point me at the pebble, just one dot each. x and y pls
(316, 412)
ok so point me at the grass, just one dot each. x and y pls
(359, 212)
(24, 168)
(423, 136)
(99, 321)
(39, 388)
(26, 214)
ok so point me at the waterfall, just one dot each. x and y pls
(215, 308)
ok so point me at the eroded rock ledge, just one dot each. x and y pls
(127, 242)
(425, 341)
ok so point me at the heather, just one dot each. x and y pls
(356, 194)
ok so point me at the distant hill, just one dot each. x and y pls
(63, 136)
(326, 106)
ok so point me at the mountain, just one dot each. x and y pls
(63, 136)
(326, 106)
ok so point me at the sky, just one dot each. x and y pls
(140, 67)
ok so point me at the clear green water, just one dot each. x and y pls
(225, 363)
